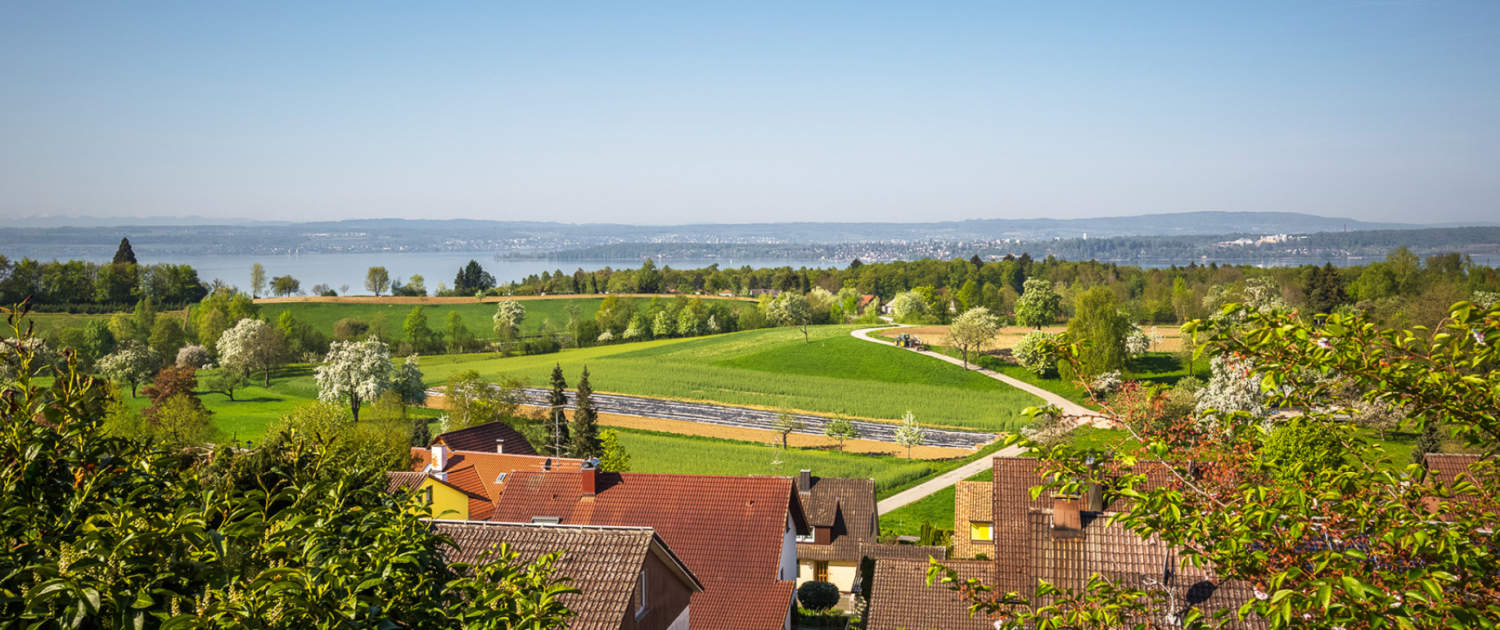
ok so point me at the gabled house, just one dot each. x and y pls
(1061, 539)
(463, 485)
(902, 600)
(627, 577)
(737, 534)
(491, 437)
(841, 513)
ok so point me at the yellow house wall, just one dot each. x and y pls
(840, 574)
(447, 503)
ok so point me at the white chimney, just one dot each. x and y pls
(439, 457)
(499, 446)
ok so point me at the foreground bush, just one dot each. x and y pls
(99, 531)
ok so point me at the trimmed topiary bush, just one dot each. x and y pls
(818, 595)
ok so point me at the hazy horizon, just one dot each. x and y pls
(663, 115)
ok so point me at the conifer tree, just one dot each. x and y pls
(558, 423)
(124, 254)
(586, 422)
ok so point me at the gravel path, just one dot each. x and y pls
(746, 418)
(926, 488)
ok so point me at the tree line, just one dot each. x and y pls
(82, 286)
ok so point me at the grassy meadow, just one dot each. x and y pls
(773, 368)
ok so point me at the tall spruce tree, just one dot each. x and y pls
(558, 420)
(420, 434)
(1325, 289)
(585, 436)
(124, 254)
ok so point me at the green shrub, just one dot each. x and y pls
(818, 595)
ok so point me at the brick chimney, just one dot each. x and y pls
(804, 481)
(588, 479)
(1067, 514)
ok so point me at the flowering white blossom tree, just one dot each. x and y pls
(1136, 342)
(193, 355)
(971, 330)
(907, 304)
(253, 345)
(355, 371)
(508, 317)
(909, 433)
(1035, 352)
(1232, 388)
(132, 363)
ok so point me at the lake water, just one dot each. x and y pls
(337, 270)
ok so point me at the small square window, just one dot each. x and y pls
(981, 530)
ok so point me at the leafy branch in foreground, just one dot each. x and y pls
(103, 532)
(1355, 540)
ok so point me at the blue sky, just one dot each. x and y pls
(761, 111)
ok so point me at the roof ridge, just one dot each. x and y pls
(638, 528)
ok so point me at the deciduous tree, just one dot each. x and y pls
(354, 372)
(252, 344)
(785, 424)
(909, 433)
(840, 430)
(1039, 305)
(377, 280)
(973, 329)
(257, 280)
(132, 363)
(791, 309)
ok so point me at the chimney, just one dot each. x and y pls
(588, 479)
(1093, 500)
(439, 457)
(1066, 515)
(499, 445)
(804, 481)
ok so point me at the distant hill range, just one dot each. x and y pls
(1183, 233)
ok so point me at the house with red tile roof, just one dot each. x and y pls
(1060, 539)
(491, 437)
(736, 534)
(463, 485)
(627, 577)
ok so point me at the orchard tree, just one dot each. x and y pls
(840, 430)
(909, 433)
(1037, 352)
(508, 317)
(1039, 305)
(132, 363)
(1233, 392)
(224, 379)
(973, 329)
(785, 424)
(377, 280)
(661, 325)
(354, 372)
(791, 309)
(472, 401)
(193, 356)
(459, 339)
(253, 345)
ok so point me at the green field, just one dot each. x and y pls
(387, 319)
(48, 323)
(773, 368)
(667, 453)
(256, 407)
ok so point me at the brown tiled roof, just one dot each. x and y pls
(602, 562)
(847, 507)
(729, 530)
(478, 474)
(397, 480)
(900, 598)
(1448, 466)
(902, 552)
(1028, 548)
(482, 438)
